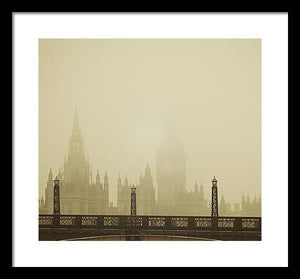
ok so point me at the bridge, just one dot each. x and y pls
(138, 227)
(128, 227)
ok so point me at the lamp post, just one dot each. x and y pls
(132, 213)
(214, 203)
(133, 201)
(56, 201)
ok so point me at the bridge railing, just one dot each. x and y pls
(151, 222)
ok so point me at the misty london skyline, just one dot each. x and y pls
(126, 91)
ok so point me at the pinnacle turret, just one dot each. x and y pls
(147, 171)
(97, 177)
(50, 175)
(76, 121)
(196, 186)
(119, 181)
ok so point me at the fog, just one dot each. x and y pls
(125, 90)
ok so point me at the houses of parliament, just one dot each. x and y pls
(80, 195)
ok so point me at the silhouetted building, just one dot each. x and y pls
(146, 202)
(251, 208)
(78, 195)
(190, 203)
(123, 196)
(236, 209)
(245, 208)
(228, 209)
(145, 195)
(222, 207)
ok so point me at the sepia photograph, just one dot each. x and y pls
(150, 139)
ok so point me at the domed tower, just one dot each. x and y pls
(170, 167)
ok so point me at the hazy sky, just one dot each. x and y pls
(124, 90)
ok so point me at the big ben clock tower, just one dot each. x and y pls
(170, 168)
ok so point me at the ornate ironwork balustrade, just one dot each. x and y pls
(151, 222)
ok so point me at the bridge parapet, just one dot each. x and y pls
(151, 222)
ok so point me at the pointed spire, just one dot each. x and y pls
(201, 185)
(119, 184)
(201, 191)
(97, 177)
(196, 186)
(76, 122)
(147, 170)
(126, 181)
(50, 175)
(105, 182)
